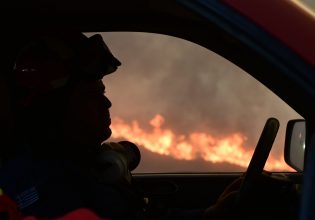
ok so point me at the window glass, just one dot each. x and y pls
(187, 108)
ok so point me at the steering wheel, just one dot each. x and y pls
(259, 158)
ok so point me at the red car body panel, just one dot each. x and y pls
(285, 20)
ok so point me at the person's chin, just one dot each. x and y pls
(107, 133)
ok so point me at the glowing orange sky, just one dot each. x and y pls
(163, 141)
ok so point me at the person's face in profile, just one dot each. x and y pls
(87, 117)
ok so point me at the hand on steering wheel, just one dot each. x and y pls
(235, 195)
(259, 158)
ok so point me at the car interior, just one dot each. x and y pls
(262, 194)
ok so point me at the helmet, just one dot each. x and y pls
(52, 61)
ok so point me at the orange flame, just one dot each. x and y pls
(229, 149)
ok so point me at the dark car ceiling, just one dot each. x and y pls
(156, 16)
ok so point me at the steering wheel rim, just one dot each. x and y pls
(259, 158)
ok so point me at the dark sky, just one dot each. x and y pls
(193, 88)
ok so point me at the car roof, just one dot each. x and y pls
(289, 76)
(291, 23)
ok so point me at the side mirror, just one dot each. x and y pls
(294, 149)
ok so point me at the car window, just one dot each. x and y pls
(187, 108)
